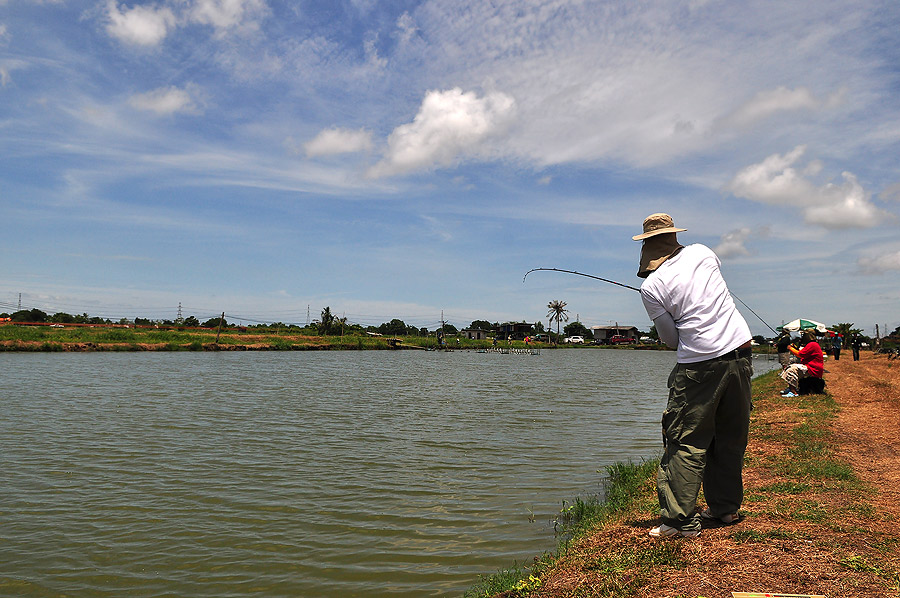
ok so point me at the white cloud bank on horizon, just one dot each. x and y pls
(775, 181)
(335, 141)
(449, 125)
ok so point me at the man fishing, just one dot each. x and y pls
(707, 418)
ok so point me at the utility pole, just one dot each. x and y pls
(219, 331)
(20, 302)
(179, 319)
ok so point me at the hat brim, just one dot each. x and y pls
(659, 231)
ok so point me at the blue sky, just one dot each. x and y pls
(404, 159)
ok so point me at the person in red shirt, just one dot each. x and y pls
(812, 363)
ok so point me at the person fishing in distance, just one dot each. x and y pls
(707, 418)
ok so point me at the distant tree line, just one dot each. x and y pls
(37, 315)
(327, 324)
(330, 325)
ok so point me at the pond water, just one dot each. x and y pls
(315, 474)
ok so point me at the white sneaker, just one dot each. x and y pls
(667, 531)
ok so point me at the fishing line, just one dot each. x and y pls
(634, 288)
(754, 313)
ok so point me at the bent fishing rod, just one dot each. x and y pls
(580, 274)
(627, 286)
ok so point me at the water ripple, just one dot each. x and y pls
(312, 474)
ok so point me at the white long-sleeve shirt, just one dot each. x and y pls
(690, 289)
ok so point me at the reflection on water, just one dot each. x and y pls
(304, 474)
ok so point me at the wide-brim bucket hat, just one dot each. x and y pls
(657, 224)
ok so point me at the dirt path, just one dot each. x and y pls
(868, 392)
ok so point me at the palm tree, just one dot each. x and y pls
(327, 321)
(846, 329)
(557, 311)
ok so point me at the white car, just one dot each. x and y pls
(575, 340)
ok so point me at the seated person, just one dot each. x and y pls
(784, 356)
(812, 363)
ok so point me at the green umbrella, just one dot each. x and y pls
(801, 324)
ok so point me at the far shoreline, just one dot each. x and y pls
(117, 338)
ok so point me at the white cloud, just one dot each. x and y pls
(372, 57)
(732, 243)
(140, 25)
(149, 25)
(438, 228)
(845, 206)
(228, 14)
(877, 264)
(406, 27)
(767, 103)
(775, 181)
(7, 67)
(165, 100)
(647, 84)
(338, 141)
(449, 124)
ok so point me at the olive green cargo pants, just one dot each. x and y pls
(705, 429)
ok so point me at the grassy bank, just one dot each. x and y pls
(809, 525)
(120, 338)
(70, 338)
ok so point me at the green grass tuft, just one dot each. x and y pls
(624, 572)
(786, 487)
(625, 487)
(762, 537)
(514, 581)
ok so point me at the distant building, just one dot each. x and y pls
(516, 330)
(604, 333)
(475, 334)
